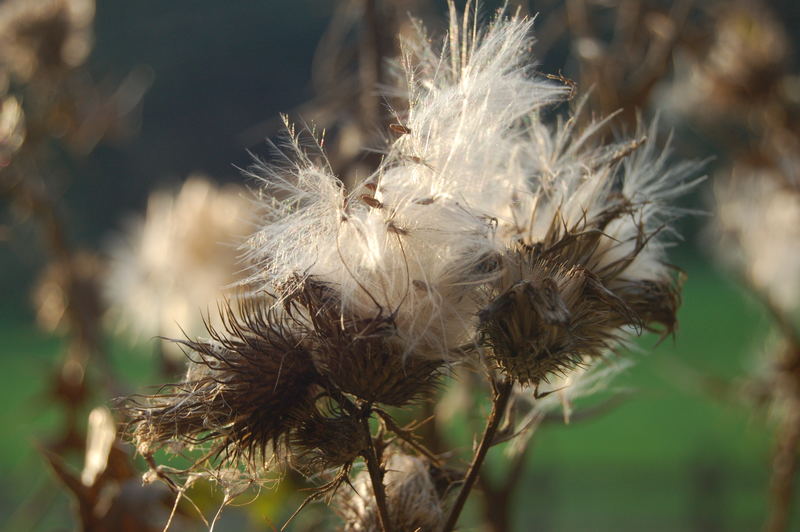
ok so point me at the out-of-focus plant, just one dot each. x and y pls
(735, 86)
(721, 70)
(179, 258)
(52, 112)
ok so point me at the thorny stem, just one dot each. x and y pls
(376, 476)
(502, 394)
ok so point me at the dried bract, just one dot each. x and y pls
(322, 441)
(244, 391)
(363, 357)
(561, 302)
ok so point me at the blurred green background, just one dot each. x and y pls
(678, 455)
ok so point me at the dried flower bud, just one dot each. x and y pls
(322, 442)
(412, 499)
(363, 357)
(569, 298)
(244, 391)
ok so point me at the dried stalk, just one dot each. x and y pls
(502, 394)
(784, 471)
(376, 476)
(497, 500)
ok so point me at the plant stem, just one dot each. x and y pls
(497, 500)
(376, 476)
(783, 472)
(785, 461)
(499, 402)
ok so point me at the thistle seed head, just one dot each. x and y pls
(177, 260)
(757, 229)
(322, 441)
(363, 357)
(245, 390)
(569, 298)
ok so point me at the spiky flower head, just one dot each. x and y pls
(245, 389)
(587, 266)
(484, 230)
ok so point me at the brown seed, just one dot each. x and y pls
(421, 285)
(399, 128)
(391, 227)
(372, 202)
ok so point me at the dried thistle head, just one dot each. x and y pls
(474, 171)
(45, 36)
(326, 439)
(572, 289)
(363, 357)
(245, 390)
(412, 498)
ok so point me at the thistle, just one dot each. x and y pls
(587, 266)
(245, 390)
(485, 238)
(758, 229)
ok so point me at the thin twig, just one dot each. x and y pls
(499, 403)
(785, 462)
(784, 470)
(408, 437)
(498, 500)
